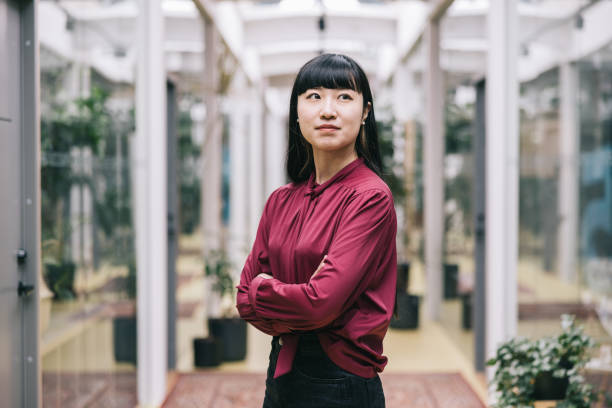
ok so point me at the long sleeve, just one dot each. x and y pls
(256, 263)
(361, 248)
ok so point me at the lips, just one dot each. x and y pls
(328, 127)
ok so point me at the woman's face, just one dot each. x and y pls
(330, 119)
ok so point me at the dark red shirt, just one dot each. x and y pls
(349, 303)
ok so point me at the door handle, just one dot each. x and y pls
(21, 254)
(24, 289)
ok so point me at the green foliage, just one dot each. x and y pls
(387, 150)
(189, 179)
(130, 282)
(80, 124)
(459, 188)
(458, 127)
(519, 361)
(85, 122)
(218, 267)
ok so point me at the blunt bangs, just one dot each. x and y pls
(330, 71)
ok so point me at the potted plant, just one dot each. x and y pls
(125, 324)
(59, 271)
(544, 369)
(467, 299)
(227, 332)
(403, 277)
(224, 323)
(80, 124)
(451, 281)
(407, 308)
(406, 314)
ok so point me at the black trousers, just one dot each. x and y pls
(317, 382)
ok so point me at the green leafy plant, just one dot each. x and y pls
(218, 270)
(189, 178)
(521, 362)
(385, 141)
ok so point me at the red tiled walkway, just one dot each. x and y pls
(228, 390)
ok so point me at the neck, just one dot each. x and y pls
(327, 164)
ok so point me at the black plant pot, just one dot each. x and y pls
(466, 311)
(549, 388)
(124, 339)
(232, 333)
(451, 280)
(60, 280)
(403, 277)
(207, 352)
(407, 312)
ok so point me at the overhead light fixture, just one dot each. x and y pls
(70, 23)
(579, 21)
(524, 50)
(322, 22)
(119, 52)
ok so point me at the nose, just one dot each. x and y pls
(328, 110)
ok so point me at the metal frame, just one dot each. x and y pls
(173, 227)
(502, 121)
(30, 199)
(434, 177)
(150, 196)
(480, 197)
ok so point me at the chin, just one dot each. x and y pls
(333, 148)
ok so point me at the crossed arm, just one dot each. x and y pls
(365, 233)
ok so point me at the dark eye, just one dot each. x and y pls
(313, 95)
(345, 97)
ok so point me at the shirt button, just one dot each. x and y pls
(280, 341)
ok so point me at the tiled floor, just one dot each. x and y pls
(243, 390)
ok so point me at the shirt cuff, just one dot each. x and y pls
(253, 290)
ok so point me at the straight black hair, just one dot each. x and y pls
(332, 71)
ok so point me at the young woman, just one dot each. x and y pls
(321, 275)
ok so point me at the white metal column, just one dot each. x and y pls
(212, 150)
(502, 174)
(256, 160)
(434, 171)
(276, 140)
(568, 177)
(238, 227)
(151, 205)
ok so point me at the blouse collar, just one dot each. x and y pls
(315, 189)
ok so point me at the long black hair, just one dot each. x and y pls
(332, 71)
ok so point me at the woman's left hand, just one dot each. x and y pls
(321, 265)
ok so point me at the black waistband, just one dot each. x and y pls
(305, 338)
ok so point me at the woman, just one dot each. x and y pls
(321, 275)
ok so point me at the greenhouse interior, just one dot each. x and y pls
(144, 137)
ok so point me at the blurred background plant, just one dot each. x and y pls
(85, 144)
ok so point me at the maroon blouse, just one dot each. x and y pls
(351, 219)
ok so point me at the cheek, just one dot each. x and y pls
(353, 121)
(305, 112)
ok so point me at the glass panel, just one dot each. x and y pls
(462, 65)
(458, 258)
(88, 333)
(406, 130)
(565, 181)
(190, 267)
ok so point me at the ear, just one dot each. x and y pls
(366, 111)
